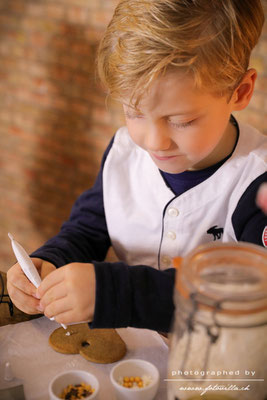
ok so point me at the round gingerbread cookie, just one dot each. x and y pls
(97, 345)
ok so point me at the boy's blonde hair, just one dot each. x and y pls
(211, 39)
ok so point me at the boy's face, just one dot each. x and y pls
(182, 128)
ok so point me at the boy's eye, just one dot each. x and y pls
(181, 124)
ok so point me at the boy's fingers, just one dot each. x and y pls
(56, 308)
(67, 318)
(24, 302)
(53, 294)
(47, 268)
(18, 280)
(54, 278)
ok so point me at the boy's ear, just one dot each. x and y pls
(243, 93)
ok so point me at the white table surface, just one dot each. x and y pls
(35, 363)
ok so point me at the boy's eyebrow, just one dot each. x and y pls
(189, 113)
(193, 111)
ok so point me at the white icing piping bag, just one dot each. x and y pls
(27, 265)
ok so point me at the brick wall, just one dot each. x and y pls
(54, 124)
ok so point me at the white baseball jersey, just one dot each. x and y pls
(149, 225)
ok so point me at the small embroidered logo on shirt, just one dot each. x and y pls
(216, 232)
(264, 236)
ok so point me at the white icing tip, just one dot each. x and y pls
(63, 325)
(10, 236)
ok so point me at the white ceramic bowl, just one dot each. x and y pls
(72, 377)
(135, 367)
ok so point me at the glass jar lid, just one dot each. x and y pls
(229, 276)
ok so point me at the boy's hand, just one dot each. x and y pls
(262, 197)
(68, 294)
(21, 291)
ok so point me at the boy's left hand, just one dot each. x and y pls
(68, 293)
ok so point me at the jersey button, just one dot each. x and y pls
(171, 235)
(166, 261)
(173, 212)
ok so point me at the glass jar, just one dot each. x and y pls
(218, 347)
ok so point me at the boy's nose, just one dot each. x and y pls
(157, 138)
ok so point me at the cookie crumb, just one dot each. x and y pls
(69, 333)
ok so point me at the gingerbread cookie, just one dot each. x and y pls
(97, 345)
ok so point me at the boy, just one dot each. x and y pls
(182, 173)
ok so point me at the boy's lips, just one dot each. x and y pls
(163, 158)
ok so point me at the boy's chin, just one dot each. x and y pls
(172, 170)
(172, 166)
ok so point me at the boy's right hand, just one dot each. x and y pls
(21, 291)
(262, 197)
